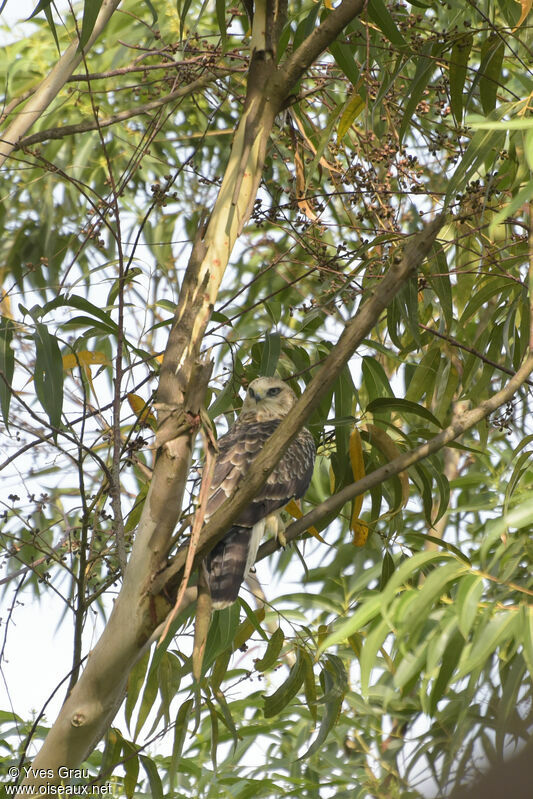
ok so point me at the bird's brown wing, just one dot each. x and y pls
(226, 563)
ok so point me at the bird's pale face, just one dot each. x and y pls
(268, 398)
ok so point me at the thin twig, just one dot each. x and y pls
(453, 341)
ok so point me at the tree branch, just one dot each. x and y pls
(355, 331)
(94, 124)
(51, 85)
(461, 423)
(319, 39)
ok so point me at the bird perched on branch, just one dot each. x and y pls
(268, 400)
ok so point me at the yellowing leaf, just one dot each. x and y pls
(331, 480)
(360, 532)
(358, 527)
(350, 113)
(247, 628)
(141, 410)
(83, 358)
(295, 511)
(526, 8)
(386, 445)
(303, 204)
(5, 305)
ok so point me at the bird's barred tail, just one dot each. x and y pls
(226, 565)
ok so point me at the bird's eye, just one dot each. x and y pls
(273, 392)
(251, 392)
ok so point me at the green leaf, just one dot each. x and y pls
(467, 602)
(7, 366)
(112, 750)
(152, 11)
(333, 699)
(156, 787)
(169, 683)
(484, 645)
(91, 9)
(406, 570)
(135, 683)
(225, 399)
(483, 145)
(525, 123)
(450, 659)
(255, 617)
(489, 292)
(372, 644)
(410, 667)
(48, 374)
(422, 539)
(440, 282)
(130, 762)
(270, 356)
(374, 379)
(306, 26)
(220, 668)
(424, 70)
(222, 631)
(309, 684)
(366, 611)
(524, 635)
(183, 9)
(490, 71)
(343, 55)
(274, 704)
(378, 13)
(41, 5)
(213, 718)
(458, 69)
(135, 513)
(272, 651)
(387, 569)
(150, 691)
(432, 589)
(220, 7)
(402, 406)
(422, 381)
(180, 733)
(521, 197)
(81, 304)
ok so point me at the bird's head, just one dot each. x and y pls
(268, 398)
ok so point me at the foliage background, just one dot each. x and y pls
(401, 664)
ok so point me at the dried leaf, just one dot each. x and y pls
(141, 410)
(293, 508)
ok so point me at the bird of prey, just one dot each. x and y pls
(268, 400)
